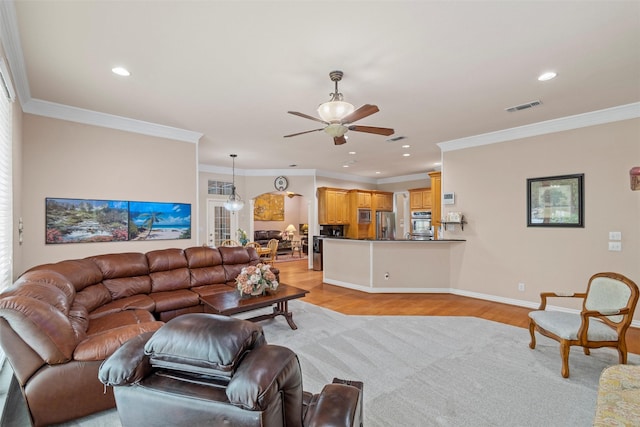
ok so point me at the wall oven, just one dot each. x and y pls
(421, 225)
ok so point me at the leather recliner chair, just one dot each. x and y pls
(204, 369)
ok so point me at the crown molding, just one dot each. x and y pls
(608, 115)
(80, 115)
(13, 50)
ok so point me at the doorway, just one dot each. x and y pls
(220, 222)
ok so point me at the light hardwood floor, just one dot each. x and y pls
(349, 301)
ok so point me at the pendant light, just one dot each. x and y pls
(235, 202)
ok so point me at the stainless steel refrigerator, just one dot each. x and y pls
(385, 225)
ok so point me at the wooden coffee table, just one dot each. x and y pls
(230, 302)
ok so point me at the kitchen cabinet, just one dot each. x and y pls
(359, 199)
(382, 201)
(420, 198)
(333, 206)
(436, 198)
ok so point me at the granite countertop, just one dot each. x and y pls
(393, 240)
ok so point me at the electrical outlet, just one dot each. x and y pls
(615, 246)
(521, 287)
(615, 235)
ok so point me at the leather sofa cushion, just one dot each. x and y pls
(170, 280)
(122, 287)
(208, 276)
(202, 256)
(80, 272)
(166, 259)
(128, 264)
(172, 300)
(116, 320)
(49, 278)
(108, 333)
(93, 297)
(203, 343)
(233, 259)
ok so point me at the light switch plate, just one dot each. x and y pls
(615, 235)
(615, 246)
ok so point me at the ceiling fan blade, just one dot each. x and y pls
(339, 140)
(302, 133)
(360, 113)
(372, 129)
(306, 116)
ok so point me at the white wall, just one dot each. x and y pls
(501, 251)
(71, 160)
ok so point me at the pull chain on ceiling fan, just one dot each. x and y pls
(337, 114)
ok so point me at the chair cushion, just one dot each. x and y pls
(566, 326)
(203, 343)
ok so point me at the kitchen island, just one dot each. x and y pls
(391, 266)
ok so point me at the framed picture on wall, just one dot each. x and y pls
(555, 201)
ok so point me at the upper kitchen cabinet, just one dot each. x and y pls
(360, 199)
(333, 206)
(382, 201)
(420, 198)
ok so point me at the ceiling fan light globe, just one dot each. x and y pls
(334, 111)
(336, 130)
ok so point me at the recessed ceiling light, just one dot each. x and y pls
(406, 146)
(378, 172)
(406, 155)
(121, 71)
(345, 166)
(547, 76)
(352, 152)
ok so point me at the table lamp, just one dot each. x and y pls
(290, 230)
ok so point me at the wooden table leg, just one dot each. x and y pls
(282, 309)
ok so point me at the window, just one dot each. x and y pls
(6, 183)
(6, 213)
(219, 187)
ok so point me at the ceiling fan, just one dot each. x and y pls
(339, 115)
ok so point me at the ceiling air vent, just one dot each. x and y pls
(523, 106)
(396, 138)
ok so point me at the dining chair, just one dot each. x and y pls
(229, 242)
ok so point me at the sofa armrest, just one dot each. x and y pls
(337, 405)
(128, 364)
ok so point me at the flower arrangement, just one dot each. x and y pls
(255, 279)
(242, 236)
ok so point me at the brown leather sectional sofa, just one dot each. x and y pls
(59, 321)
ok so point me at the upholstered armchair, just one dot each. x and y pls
(205, 369)
(607, 311)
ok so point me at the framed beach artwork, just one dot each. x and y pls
(89, 220)
(159, 221)
(555, 201)
(84, 221)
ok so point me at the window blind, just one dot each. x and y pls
(6, 186)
